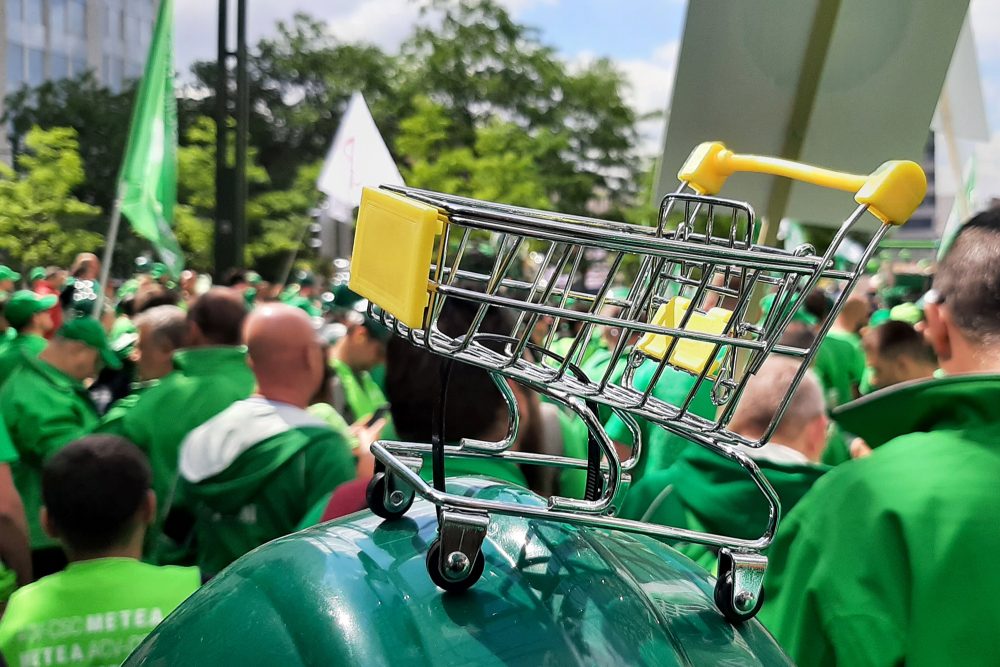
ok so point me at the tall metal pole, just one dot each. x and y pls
(242, 134)
(230, 175)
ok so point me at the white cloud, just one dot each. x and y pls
(651, 82)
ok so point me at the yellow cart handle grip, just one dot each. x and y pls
(892, 192)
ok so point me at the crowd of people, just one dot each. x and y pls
(145, 449)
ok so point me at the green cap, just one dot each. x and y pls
(253, 278)
(158, 270)
(378, 330)
(344, 297)
(7, 273)
(907, 312)
(799, 315)
(878, 317)
(37, 273)
(142, 265)
(90, 332)
(23, 304)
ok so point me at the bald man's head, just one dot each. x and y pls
(854, 314)
(284, 353)
(216, 318)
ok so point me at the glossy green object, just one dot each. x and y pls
(356, 591)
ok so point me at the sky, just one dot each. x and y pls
(646, 50)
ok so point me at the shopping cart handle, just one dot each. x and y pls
(892, 192)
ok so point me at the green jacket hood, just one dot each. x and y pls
(921, 406)
(720, 495)
(227, 459)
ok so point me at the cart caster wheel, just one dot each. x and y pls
(738, 610)
(377, 503)
(458, 574)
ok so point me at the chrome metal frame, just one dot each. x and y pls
(706, 267)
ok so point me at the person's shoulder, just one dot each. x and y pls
(30, 600)
(176, 575)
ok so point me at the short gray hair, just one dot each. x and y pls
(765, 392)
(167, 324)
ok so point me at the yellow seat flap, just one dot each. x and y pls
(393, 247)
(688, 355)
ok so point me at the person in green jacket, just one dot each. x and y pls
(98, 503)
(354, 393)
(660, 447)
(707, 492)
(304, 297)
(30, 316)
(8, 279)
(881, 563)
(15, 553)
(45, 406)
(252, 472)
(209, 375)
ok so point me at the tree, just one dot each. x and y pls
(41, 222)
(275, 218)
(99, 116)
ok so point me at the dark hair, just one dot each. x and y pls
(93, 488)
(413, 382)
(818, 304)
(894, 339)
(219, 313)
(154, 298)
(968, 278)
(234, 277)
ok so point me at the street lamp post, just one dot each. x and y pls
(232, 110)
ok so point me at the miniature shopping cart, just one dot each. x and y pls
(693, 283)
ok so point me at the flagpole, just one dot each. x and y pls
(294, 255)
(110, 241)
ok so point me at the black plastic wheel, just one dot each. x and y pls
(724, 600)
(375, 497)
(450, 585)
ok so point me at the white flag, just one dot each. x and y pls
(358, 158)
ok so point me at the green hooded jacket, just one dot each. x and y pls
(205, 381)
(251, 474)
(44, 410)
(13, 355)
(875, 565)
(707, 492)
(661, 447)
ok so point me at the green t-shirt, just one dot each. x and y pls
(361, 395)
(661, 447)
(839, 365)
(93, 613)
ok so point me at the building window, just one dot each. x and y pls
(14, 13)
(36, 67)
(15, 65)
(57, 18)
(58, 66)
(33, 12)
(76, 17)
(78, 67)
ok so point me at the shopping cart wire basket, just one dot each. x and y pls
(682, 294)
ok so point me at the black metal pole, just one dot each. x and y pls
(223, 196)
(242, 133)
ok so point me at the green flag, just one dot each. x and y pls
(147, 186)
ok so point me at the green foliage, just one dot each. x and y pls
(275, 218)
(41, 222)
(99, 116)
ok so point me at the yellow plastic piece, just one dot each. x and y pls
(892, 192)
(688, 355)
(393, 247)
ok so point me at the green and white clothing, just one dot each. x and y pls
(92, 614)
(707, 492)
(205, 381)
(44, 410)
(24, 345)
(661, 447)
(251, 474)
(886, 561)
